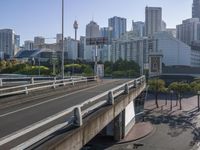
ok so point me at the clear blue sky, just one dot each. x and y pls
(31, 18)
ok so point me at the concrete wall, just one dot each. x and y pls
(92, 125)
(129, 117)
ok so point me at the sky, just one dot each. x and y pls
(31, 18)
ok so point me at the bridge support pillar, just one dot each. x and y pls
(119, 126)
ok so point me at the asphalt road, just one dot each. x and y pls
(13, 119)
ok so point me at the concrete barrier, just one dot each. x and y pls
(76, 138)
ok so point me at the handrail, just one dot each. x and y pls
(4, 80)
(78, 114)
(31, 87)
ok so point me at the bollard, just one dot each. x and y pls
(126, 89)
(78, 121)
(1, 82)
(72, 81)
(110, 98)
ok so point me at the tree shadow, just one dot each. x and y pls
(178, 124)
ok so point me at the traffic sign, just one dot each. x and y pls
(97, 41)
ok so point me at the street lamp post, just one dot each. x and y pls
(39, 63)
(171, 94)
(110, 29)
(63, 53)
(198, 94)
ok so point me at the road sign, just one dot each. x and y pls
(97, 41)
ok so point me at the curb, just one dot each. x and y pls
(152, 130)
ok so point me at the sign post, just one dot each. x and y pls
(96, 41)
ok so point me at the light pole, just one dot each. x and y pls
(39, 63)
(63, 53)
(171, 94)
(198, 94)
(110, 29)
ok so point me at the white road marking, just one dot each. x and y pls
(36, 125)
(12, 112)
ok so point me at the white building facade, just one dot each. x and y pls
(189, 30)
(173, 50)
(71, 47)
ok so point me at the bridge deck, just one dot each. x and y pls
(18, 117)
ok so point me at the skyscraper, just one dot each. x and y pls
(138, 28)
(196, 9)
(7, 42)
(118, 26)
(153, 20)
(38, 41)
(59, 38)
(28, 45)
(92, 29)
(189, 31)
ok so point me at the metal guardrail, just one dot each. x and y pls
(21, 80)
(77, 119)
(20, 89)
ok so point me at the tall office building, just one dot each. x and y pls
(8, 42)
(104, 32)
(38, 41)
(17, 41)
(189, 30)
(153, 20)
(196, 9)
(28, 45)
(58, 37)
(92, 29)
(138, 28)
(163, 26)
(118, 26)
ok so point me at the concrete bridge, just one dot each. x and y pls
(69, 117)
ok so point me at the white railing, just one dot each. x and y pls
(77, 118)
(20, 89)
(24, 80)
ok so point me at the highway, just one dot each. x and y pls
(42, 105)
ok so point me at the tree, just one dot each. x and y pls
(156, 85)
(195, 86)
(2, 65)
(174, 87)
(122, 68)
(180, 89)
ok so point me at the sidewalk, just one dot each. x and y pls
(139, 130)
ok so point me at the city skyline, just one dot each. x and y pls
(35, 18)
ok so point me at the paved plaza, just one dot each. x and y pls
(172, 129)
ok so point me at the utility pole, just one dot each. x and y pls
(63, 53)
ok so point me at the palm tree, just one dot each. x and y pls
(156, 85)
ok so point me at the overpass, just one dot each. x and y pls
(65, 119)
